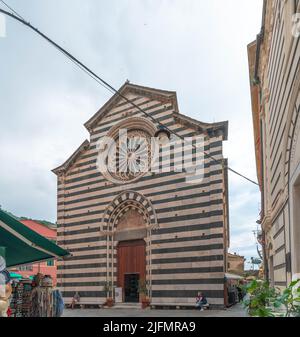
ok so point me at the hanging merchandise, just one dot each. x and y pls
(13, 299)
(26, 298)
(20, 302)
(37, 298)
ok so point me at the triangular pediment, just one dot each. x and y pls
(127, 88)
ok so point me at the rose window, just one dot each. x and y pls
(130, 157)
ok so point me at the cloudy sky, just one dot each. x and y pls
(194, 47)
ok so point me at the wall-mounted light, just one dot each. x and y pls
(162, 134)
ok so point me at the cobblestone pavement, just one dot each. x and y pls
(235, 311)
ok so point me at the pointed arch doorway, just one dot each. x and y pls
(128, 223)
(131, 268)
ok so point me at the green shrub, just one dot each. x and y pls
(262, 300)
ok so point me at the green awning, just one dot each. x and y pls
(24, 245)
(15, 275)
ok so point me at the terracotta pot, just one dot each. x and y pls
(110, 302)
(145, 303)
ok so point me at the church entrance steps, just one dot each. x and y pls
(127, 306)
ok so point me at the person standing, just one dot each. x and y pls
(240, 293)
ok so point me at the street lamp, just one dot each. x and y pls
(163, 135)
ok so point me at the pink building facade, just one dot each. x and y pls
(45, 267)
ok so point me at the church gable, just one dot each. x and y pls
(117, 107)
(160, 105)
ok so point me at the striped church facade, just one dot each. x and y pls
(274, 63)
(182, 223)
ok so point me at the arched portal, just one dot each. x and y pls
(128, 223)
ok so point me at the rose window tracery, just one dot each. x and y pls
(130, 157)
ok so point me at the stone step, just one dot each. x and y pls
(127, 306)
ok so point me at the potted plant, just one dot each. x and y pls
(143, 291)
(108, 290)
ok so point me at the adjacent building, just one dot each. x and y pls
(274, 64)
(235, 264)
(46, 267)
(166, 229)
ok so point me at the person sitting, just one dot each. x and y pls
(201, 301)
(75, 300)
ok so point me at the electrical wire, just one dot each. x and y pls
(12, 10)
(59, 49)
(109, 87)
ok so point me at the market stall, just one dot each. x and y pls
(231, 291)
(23, 245)
(35, 298)
(20, 245)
